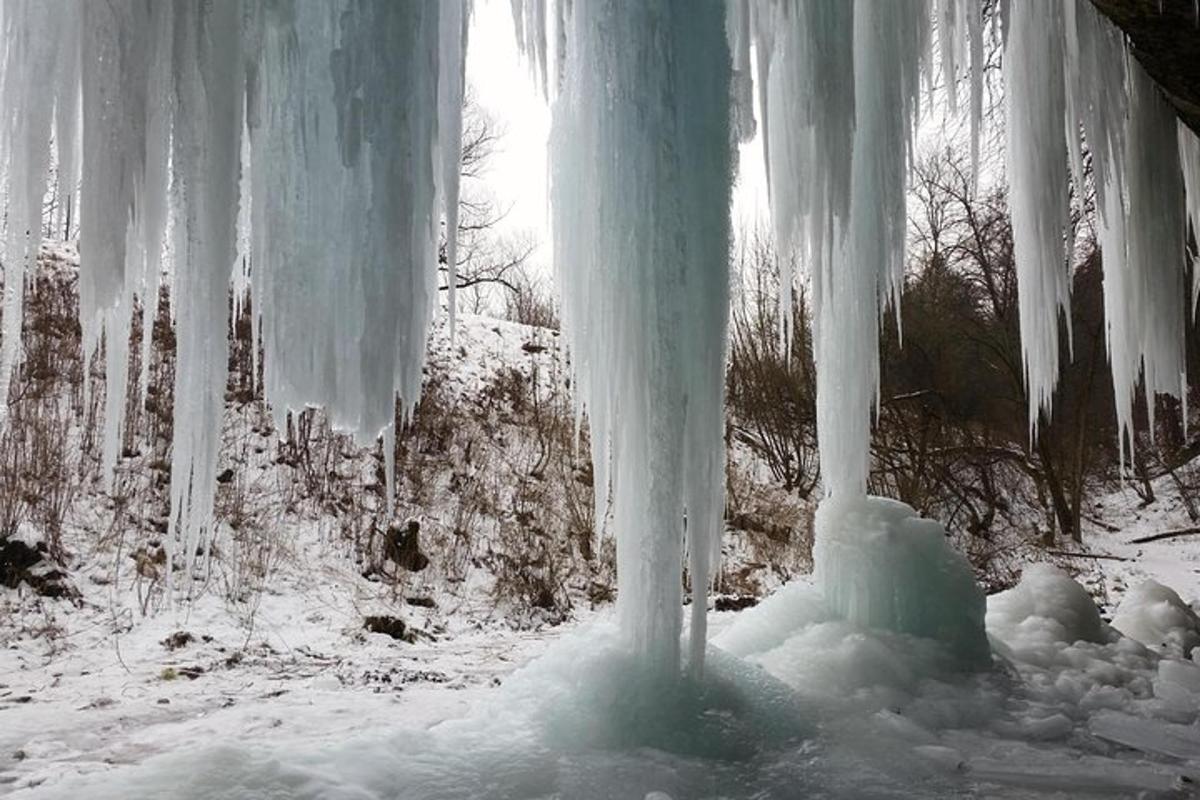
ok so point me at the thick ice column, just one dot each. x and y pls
(1036, 114)
(641, 173)
(208, 77)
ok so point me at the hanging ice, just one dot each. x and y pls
(328, 135)
(640, 184)
(35, 65)
(205, 157)
(1036, 115)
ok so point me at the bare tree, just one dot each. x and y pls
(488, 261)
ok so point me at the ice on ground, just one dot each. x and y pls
(1157, 617)
(882, 566)
(796, 701)
(1046, 608)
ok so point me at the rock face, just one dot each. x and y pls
(1165, 38)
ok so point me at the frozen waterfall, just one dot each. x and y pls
(329, 133)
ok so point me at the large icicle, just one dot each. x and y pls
(208, 78)
(367, 133)
(452, 50)
(641, 175)
(1036, 113)
(34, 62)
(1155, 236)
(125, 62)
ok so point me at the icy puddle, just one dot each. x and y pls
(793, 703)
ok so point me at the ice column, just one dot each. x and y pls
(641, 172)
(208, 76)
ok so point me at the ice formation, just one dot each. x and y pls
(322, 140)
(881, 566)
(1157, 617)
(333, 130)
(1036, 105)
(640, 187)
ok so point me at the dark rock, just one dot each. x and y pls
(402, 546)
(28, 564)
(1163, 37)
(16, 558)
(177, 640)
(734, 602)
(226, 475)
(421, 602)
(390, 626)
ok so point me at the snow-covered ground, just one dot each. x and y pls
(299, 701)
(506, 679)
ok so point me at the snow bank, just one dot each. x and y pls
(1158, 618)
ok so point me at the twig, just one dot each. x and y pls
(1104, 556)
(1167, 535)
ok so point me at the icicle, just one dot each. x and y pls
(452, 49)
(641, 174)
(843, 82)
(352, 338)
(1189, 156)
(737, 24)
(973, 12)
(208, 83)
(120, 42)
(1156, 236)
(529, 23)
(1036, 108)
(152, 214)
(35, 59)
(67, 111)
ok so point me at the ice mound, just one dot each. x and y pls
(1157, 617)
(1047, 607)
(882, 566)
